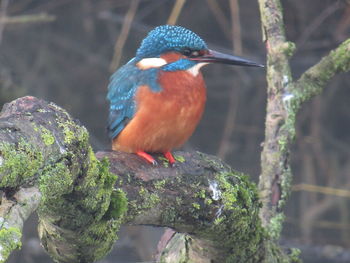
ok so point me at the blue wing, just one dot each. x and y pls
(121, 92)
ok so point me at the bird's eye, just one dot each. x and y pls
(191, 53)
(187, 52)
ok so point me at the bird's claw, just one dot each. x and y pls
(147, 157)
(170, 158)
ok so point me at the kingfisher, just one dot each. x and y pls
(158, 97)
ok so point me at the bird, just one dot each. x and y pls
(158, 97)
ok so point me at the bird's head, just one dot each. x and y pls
(176, 48)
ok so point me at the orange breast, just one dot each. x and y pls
(164, 120)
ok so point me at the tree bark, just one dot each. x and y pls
(201, 196)
(284, 100)
(46, 160)
(47, 165)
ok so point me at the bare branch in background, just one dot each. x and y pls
(119, 44)
(175, 12)
(219, 15)
(225, 145)
(23, 19)
(236, 27)
(317, 22)
(3, 10)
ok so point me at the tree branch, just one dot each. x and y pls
(24, 19)
(274, 183)
(313, 81)
(14, 211)
(284, 101)
(43, 148)
(45, 159)
(201, 196)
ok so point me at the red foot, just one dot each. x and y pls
(169, 157)
(147, 157)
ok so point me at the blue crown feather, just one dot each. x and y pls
(169, 38)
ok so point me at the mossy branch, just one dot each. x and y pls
(315, 78)
(201, 196)
(285, 97)
(274, 183)
(47, 165)
(46, 160)
(14, 211)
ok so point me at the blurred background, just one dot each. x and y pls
(64, 51)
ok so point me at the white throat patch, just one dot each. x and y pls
(147, 63)
(195, 69)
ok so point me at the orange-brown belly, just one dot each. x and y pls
(164, 120)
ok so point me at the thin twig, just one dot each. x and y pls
(225, 145)
(236, 27)
(119, 44)
(313, 80)
(220, 17)
(3, 11)
(316, 23)
(344, 23)
(321, 190)
(322, 224)
(232, 112)
(175, 12)
(23, 19)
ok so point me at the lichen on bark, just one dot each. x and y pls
(42, 148)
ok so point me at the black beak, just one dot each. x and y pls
(211, 56)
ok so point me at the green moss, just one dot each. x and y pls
(200, 194)
(229, 191)
(68, 135)
(164, 160)
(275, 226)
(196, 206)
(286, 186)
(289, 48)
(20, 163)
(152, 200)
(159, 184)
(97, 186)
(10, 239)
(73, 132)
(100, 238)
(211, 161)
(208, 201)
(294, 255)
(239, 216)
(179, 158)
(118, 205)
(42, 110)
(169, 215)
(219, 220)
(82, 204)
(149, 199)
(55, 181)
(47, 137)
(178, 201)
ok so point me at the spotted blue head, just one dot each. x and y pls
(178, 39)
(168, 38)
